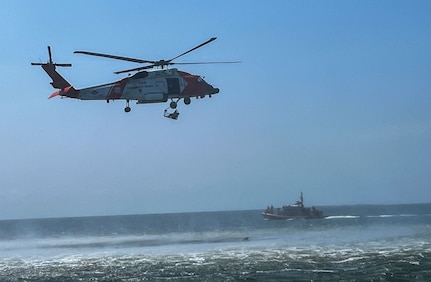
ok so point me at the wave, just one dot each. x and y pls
(144, 241)
(342, 217)
(52, 247)
(383, 215)
(404, 260)
(370, 216)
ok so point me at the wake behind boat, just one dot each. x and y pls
(296, 211)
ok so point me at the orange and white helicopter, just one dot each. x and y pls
(145, 87)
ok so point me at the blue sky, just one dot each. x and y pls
(332, 98)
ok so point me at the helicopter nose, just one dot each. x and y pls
(214, 90)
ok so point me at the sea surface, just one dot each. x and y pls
(352, 243)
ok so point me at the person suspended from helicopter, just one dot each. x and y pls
(173, 115)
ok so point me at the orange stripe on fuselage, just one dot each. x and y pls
(117, 89)
(69, 92)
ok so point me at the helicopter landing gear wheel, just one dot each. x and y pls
(173, 105)
(127, 108)
(187, 100)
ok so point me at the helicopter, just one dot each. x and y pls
(157, 86)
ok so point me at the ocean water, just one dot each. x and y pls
(352, 243)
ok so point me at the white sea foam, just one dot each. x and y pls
(342, 217)
(383, 215)
(224, 262)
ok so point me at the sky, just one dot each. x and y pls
(331, 98)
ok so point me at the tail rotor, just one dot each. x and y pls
(58, 81)
(50, 61)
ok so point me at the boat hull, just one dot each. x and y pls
(281, 216)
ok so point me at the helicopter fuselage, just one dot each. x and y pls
(146, 87)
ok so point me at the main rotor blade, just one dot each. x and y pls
(135, 69)
(114, 57)
(155, 65)
(205, 63)
(200, 45)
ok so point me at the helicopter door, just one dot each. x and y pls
(173, 86)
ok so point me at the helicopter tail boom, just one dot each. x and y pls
(58, 82)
